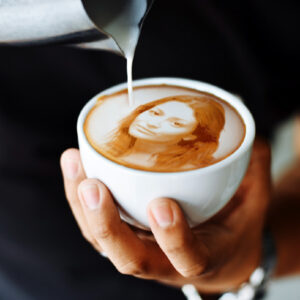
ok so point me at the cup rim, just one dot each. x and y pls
(232, 99)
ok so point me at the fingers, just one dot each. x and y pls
(99, 221)
(73, 174)
(175, 238)
(257, 181)
(128, 253)
(260, 159)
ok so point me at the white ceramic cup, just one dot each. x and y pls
(201, 193)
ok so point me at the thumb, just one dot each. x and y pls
(171, 231)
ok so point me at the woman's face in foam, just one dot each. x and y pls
(164, 122)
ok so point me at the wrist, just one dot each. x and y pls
(258, 275)
(256, 286)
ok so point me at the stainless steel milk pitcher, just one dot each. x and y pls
(100, 24)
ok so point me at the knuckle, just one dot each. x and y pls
(193, 271)
(103, 232)
(86, 234)
(91, 240)
(174, 249)
(88, 237)
(136, 268)
(178, 246)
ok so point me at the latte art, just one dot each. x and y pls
(164, 122)
(169, 129)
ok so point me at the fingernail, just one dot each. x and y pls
(163, 214)
(90, 195)
(71, 169)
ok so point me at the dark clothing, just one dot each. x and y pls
(250, 48)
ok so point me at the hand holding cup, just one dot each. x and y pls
(215, 256)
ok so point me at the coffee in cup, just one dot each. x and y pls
(169, 128)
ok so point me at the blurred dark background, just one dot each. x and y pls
(250, 48)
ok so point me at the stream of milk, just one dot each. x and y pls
(125, 30)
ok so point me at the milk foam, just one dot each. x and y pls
(105, 118)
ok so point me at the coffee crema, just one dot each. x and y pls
(169, 128)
